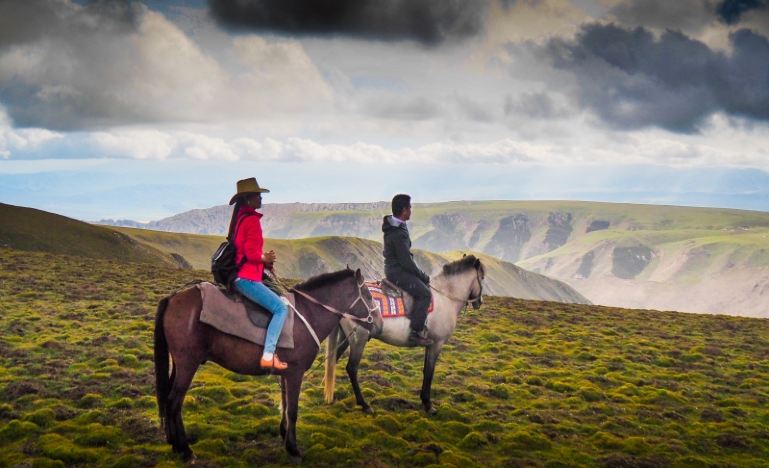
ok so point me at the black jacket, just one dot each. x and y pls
(397, 250)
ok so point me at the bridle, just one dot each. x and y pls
(345, 314)
(469, 300)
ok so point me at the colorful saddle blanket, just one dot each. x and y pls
(390, 306)
(233, 315)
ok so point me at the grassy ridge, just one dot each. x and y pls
(520, 383)
(30, 229)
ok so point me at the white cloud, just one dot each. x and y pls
(133, 144)
(14, 141)
(198, 146)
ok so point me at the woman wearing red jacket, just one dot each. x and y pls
(250, 255)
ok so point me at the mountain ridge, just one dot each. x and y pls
(302, 258)
(625, 255)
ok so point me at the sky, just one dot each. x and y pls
(141, 110)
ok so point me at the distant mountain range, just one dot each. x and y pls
(29, 229)
(302, 258)
(639, 256)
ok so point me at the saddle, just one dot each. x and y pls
(392, 300)
(390, 288)
(236, 315)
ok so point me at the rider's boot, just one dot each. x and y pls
(419, 338)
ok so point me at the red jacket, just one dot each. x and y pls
(249, 242)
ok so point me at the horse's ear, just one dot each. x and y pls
(464, 255)
(477, 263)
(358, 274)
(348, 266)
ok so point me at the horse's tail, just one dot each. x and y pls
(162, 381)
(330, 376)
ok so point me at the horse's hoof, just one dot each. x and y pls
(430, 410)
(188, 456)
(368, 410)
(294, 453)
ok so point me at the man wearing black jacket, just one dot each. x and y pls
(401, 269)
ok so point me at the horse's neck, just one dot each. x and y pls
(456, 286)
(323, 321)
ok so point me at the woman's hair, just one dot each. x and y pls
(400, 202)
(234, 217)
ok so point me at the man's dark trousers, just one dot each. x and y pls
(410, 283)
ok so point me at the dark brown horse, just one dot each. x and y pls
(322, 300)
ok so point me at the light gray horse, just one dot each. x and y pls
(460, 283)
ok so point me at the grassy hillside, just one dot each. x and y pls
(683, 258)
(302, 258)
(35, 230)
(694, 270)
(521, 383)
(664, 257)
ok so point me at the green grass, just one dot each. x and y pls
(521, 383)
(29, 229)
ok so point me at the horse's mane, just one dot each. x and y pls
(324, 279)
(461, 265)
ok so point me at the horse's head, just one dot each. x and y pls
(364, 306)
(476, 291)
(468, 269)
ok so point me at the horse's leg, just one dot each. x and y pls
(343, 343)
(431, 357)
(357, 344)
(293, 387)
(283, 408)
(185, 371)
(171, 380)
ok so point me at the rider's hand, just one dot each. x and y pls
(269, 257)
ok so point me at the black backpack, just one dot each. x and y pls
(223, 264)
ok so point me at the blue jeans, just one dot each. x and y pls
(259, 293)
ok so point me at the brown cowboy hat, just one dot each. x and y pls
(246, 186)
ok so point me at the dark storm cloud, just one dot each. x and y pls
(426, 21)
(58, 56)
(681, 15)
(730, 11)
(630, 79)
(30, 20)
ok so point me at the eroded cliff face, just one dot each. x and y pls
(559, 229)
(512, 234)
(629, 262)
(598, 225)
(585, 266)
(447, 232)
(352, 225)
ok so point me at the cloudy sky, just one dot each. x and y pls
(130, 109)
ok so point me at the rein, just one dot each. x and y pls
(369, 319)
